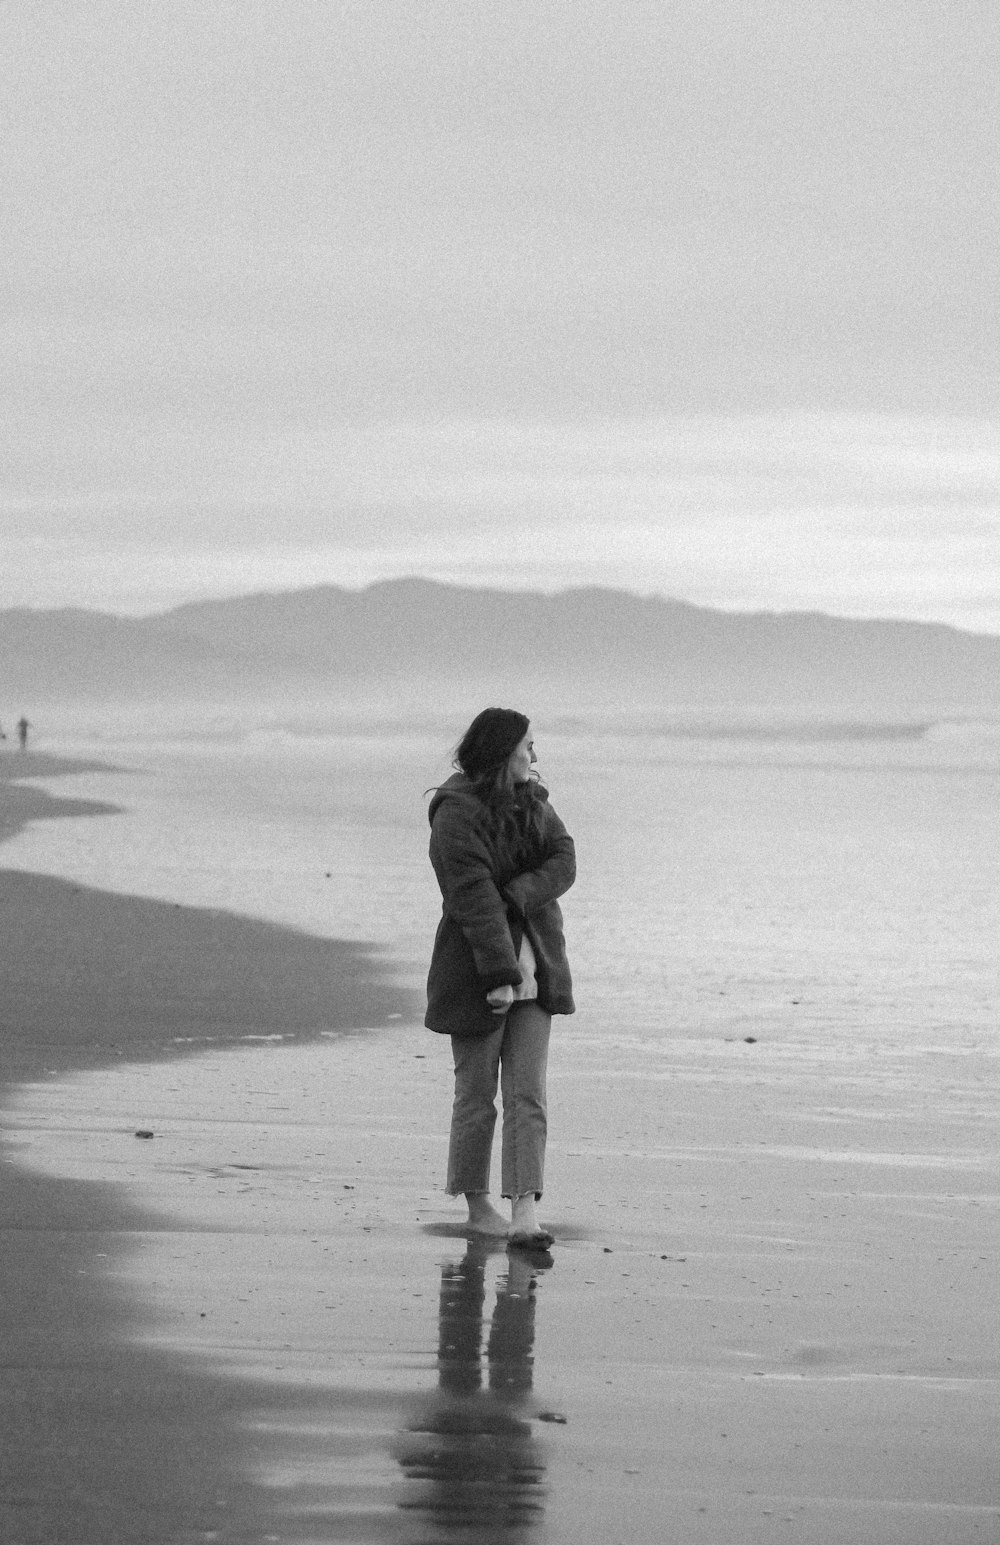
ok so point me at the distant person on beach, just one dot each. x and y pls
(23, 726)
(498, 970)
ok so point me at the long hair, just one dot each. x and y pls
(483, 755)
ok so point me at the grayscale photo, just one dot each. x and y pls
(499, 773)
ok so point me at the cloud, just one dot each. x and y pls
(694, 297)
(570, 209)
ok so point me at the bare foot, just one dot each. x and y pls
(484, 1218)
(525, 1232)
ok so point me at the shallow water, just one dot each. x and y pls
(772, 1297)
(772, 1156)
(725, 887)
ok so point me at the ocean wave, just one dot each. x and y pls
(783, 729)
(977, 734)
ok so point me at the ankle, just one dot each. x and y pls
(523, 1210)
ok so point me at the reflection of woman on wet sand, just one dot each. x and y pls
(499, 971)
(473, 1448)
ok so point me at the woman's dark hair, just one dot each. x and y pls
(483, 755)
(486, 747)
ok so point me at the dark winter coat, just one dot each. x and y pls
(487, 908)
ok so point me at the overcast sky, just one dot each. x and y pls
(697, 298)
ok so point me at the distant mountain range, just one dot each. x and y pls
(416, 642)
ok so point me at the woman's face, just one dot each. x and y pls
(522, 758)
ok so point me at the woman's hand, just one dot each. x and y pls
(500, 998)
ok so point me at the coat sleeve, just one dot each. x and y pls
(554, 875)
(461, 861)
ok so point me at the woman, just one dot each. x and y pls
(499, 971)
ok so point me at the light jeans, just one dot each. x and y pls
(518, 1051)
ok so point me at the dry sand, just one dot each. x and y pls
(770, 1312)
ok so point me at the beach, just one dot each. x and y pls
(101, 1440)
(770, 1308)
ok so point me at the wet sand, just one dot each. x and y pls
(770, 1311)
(102, 1440)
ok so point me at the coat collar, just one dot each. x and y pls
(458, 786)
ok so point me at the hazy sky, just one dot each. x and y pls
(697, 298)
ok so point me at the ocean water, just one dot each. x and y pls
(831, 902)
(773, 1131)
(728, 885)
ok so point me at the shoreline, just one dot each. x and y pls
(103, 1441)
(769, 1312)
(19, 806)
(94, 976)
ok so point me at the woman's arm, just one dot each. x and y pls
(553, 876)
